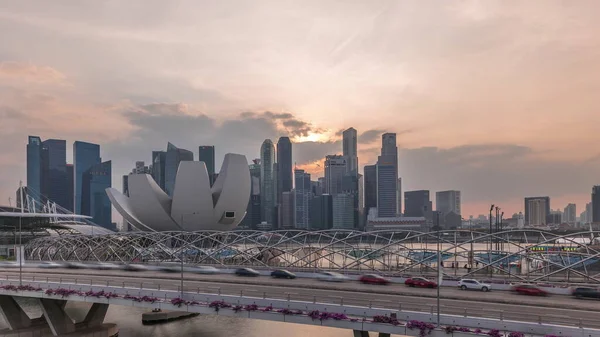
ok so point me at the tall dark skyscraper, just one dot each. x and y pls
(387, 177)
(321, 212)
(94, 200)
(546, 203)
(370, 189)
(159, 159)
(284, 166)
(206, 153)
(302, 199)
(85, 155)
(252, 218)
(350, 150)
(70, 186)
(174, 156)
(417, 204)
(47, 170)
(596, 204)
(268, 182)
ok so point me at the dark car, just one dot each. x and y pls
(529, 289)
(420, 282)
(586, 293)
(246, 272)
(282, 273)
(373, 279)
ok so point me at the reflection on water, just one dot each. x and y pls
(129, 320)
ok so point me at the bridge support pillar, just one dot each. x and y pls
(14, 316)
(95, 316)
(58, 320)
(384, 334)
(360, 333)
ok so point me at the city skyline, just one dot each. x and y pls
(469, 130)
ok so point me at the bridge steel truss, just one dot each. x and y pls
(520, 255)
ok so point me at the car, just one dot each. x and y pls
(420, 282)
(202, 270)
(282, 273)
(246, 272)
(170, 267)
(9, 265)
(472, 284)
(330, 276)
(76, 265)
(134, 267)
(529, 289)
(373, 279)
(586, 293)
(50, 265)
(104, 266)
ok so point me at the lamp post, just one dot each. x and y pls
(490, 249)
(439, 270)
(20, 236)
(181, 260)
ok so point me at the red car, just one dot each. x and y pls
(373, 279)
(420, 282)
(529, 289)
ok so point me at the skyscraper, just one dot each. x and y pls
(267, 181)
(252, 218)
(206, 153)
(284, 165)
(350, 150)
(287, 205)
(417, 204)
(303, 196)
(596, 204)
(546, 211)
(85, 155)
(588, 213)
(537, 209)
(570, 214)
(159, 159)
(370, 189)
(94, 200)
(335, 170)
(321, 212)
(34, 164)
(387, 177)
(174, 156)
(448, 201)
(343, 211)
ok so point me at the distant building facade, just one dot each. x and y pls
(174, 156)
(596, 204)
(343, 211)
(321, 212)
(537, 210)
(268, 191)
(335, 170)
(95, 201)
(206, 154)
(303, 195)
(546, 211)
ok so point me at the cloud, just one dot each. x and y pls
(370, 136)
(18, 71)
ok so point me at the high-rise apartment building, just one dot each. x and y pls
(387, 177)
(321, 212)
(596, 204)
(252, 218)
(448, 201)
(85, 156)
(303, 195)
(268, 179)
(417, 204)
(570, 214)
(537, 209)
(546, 203)
(588, 213)
(350, 150)
(287, 205)
(173, 157)
(335, 170)
(94, 200)
(206, 153)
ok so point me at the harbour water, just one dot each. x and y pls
(129, 320)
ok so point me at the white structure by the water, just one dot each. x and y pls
(195, 204)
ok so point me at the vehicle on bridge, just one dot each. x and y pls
(420, 282)
(330, 276)
(586, 293)
(530, 290)
(246, 272)
(373, 279)
(472, 284)
(282, 273)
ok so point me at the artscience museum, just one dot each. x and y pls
(195, 205)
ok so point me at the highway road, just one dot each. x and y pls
(562, 310)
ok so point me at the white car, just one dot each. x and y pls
(330, 276)
(50, 265)
(103, 266)
(465, 284)
(202, 270)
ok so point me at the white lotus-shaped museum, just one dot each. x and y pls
(195, 205)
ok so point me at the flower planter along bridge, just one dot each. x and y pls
(53, 294)
(518, 255)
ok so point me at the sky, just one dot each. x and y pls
(497, 99)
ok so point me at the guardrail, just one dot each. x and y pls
(244, 291)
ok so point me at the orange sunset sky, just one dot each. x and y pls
(497, 99)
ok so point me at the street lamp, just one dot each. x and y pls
(439, 270)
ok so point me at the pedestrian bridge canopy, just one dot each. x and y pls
(521, 255)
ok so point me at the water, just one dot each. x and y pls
(129, 320)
